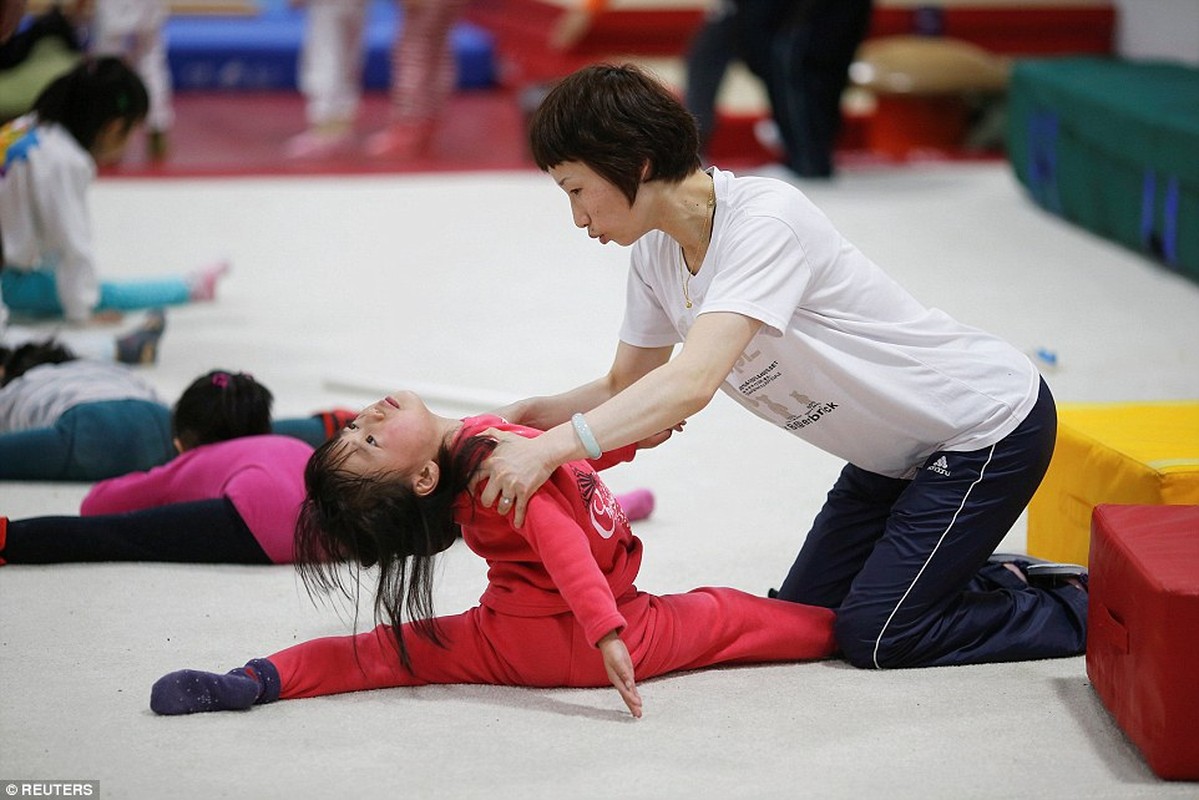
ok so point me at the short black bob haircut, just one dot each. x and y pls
(621, 122)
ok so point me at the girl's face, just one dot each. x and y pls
(597, 205)
(398, 434)
(109, 145)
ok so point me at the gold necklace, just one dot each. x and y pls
(687, 274)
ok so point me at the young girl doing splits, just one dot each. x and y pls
(560, 609)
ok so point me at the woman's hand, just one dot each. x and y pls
(619, 666)
(513, 471)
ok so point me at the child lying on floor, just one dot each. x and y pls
(65, 418)
(561, 609)
(232, 494)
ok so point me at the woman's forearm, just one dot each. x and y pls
(674, 390)
(547, 411)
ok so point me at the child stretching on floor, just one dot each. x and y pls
(560, 608)
(64, 418)
(232, 495)
(48, 159)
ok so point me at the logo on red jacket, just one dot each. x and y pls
(606, 513)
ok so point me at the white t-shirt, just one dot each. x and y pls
(44, 178)
(846, 359)
(40, 396)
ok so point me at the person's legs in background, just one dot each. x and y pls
(708, 59)
(809, 69)
(423, 73)
(802, 53)
(36, 291)
(330, 77)
(200, 532)
(133, 30)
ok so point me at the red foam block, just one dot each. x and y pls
(1143, 634)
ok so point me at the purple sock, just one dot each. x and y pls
(190, 691)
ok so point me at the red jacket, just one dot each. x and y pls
(575, 551)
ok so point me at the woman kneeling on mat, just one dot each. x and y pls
(561, 609)
(945, 429)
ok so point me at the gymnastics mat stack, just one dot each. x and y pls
(1141, 636)
(1111, 145)
(260, 52)
(1127, 453)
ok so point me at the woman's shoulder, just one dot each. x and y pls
(760, 194)
(755, 205)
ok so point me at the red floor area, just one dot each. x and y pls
(243, 134)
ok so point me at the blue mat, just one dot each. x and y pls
(262, 52)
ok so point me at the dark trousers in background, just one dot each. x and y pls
(200, 532)
(802, 51)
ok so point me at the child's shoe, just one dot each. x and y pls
(319, 143)
(140, 346)
(637, 504)
(335, 419)
(202, 282)
(400, 141)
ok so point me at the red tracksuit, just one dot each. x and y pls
(555, 587)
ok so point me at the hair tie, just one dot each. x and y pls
(220, 380)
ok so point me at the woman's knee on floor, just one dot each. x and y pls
(867, 641)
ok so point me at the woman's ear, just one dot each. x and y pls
(178, 444)
(426, 479)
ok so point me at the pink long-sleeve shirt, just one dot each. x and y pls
(262, 475)
(575, 552)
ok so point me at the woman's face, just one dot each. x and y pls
(397, 434)
(597, 205)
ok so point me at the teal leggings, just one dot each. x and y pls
(36, 292)
(104, 439)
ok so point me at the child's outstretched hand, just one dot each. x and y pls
(620, 671)
(189, 691)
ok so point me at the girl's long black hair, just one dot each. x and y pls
(377, 520)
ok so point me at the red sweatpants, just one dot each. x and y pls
(664, 634)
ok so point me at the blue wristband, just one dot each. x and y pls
(586, 436)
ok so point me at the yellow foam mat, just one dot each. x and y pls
(1127, 453)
